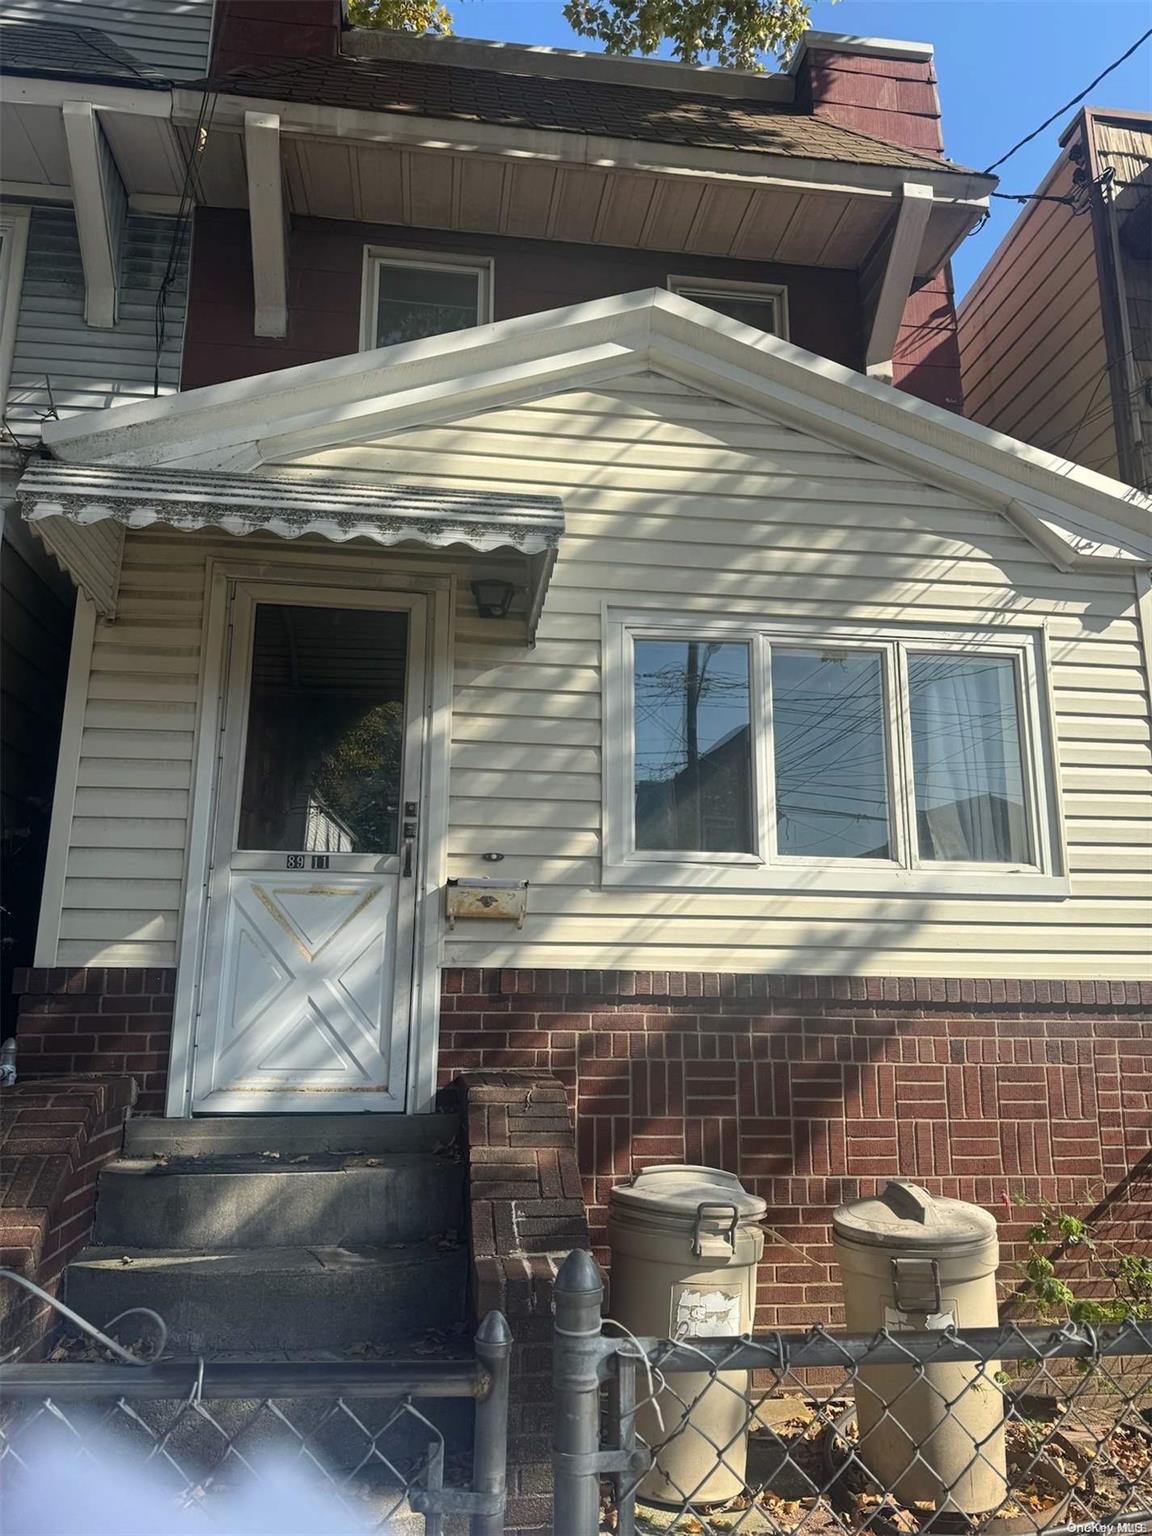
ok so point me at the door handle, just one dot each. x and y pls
(409, 846)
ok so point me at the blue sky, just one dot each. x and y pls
(1004, 66)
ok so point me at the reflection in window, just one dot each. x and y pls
(415, 301)
(693, 748)
(322, 764)
(828, 728)
(761, 310)
(966, 757)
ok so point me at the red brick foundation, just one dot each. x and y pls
(113, 1021)
(526, 1214)
(55, 1135)
(814, 1088)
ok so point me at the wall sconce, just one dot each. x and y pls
(493, 597)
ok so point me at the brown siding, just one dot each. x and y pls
(1122, 146)
(325, 266)
(1032, 339)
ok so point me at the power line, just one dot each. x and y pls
(1068, 105)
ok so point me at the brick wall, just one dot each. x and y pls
(111, 1020)
(813, 1089)
(526, 1214)
(55, 1135)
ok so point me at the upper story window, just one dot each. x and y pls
(763, 305)
(412, 294)
(839, 757)
(13, 242)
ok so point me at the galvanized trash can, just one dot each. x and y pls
(685, 1244)
(911, 1261)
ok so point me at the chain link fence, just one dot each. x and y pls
(389, 1445)
(1005, 1431)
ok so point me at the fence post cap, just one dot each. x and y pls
(579, 1272)
(494, 1329)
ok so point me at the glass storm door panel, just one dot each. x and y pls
(307, 979)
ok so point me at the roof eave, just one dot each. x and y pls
(557, 145)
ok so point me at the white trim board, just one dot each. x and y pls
(1077, 516)
(67, 774)
(14, 223)
(267, 223)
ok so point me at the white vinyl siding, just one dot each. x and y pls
(169, 36)
(60, 365)
(673, 500)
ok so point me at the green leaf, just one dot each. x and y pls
(735, 34)
(401, 15)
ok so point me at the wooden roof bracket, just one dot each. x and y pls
(267, 222)
(101, 206)
(889, 274)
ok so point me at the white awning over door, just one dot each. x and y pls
(105, 500)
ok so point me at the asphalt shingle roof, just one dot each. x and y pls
(568, 105)
(45, 48)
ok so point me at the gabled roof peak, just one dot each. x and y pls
(281, 418)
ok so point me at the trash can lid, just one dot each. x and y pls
(905, 1216)
(679, 1189)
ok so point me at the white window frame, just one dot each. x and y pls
(1044, 875)
(738, 289)
(14, 229)
(377, 257)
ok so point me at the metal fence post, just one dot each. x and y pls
(577, 1355)
(490, 1442)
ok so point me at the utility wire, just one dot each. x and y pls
(1036, 132)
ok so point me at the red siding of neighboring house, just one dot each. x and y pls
(326, 259)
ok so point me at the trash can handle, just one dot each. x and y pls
(716, 1207)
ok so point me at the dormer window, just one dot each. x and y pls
(763, 305)
(412, 294)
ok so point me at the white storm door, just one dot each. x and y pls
(305, 998)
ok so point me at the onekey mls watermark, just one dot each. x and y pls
(1112, 1527)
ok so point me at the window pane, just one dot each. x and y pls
(424, 301)
(693, 747)
(829, 740)
(748, 308)
(325, 730)
(967, 758)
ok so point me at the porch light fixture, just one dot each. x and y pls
(493, 597)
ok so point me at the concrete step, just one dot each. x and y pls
(293, 1298)
(289, 1135)
(225, 1201)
